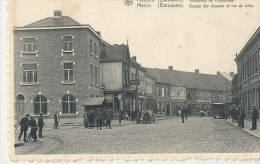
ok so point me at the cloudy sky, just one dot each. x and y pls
(187, 39)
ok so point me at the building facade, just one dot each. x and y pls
(115, 75)
(56, 66)
(248, 67)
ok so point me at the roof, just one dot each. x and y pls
(49, 22)
(93, 101)
(189, 79)
(114, 52)
(248, 42)
(226, 75)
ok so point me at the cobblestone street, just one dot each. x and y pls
(196, 135)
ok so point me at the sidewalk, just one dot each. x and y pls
(248, 125)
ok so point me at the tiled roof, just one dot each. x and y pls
(189, 79)
(49, 22)
(114, 52)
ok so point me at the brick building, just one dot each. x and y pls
(193, 89)
(248, 67)
(56, 66)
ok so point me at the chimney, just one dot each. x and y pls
(197, 71)
(98, 32)
(218, 73)
(134, 57)
(231, 74)
(170, 67)
(57, 16)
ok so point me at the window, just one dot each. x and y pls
(67, 43)
(96, 70)
(90, 46)
(91, 72)
(95, 49)
(157, 108)
(40, 104)
(158, 91)
(163, 106)
(30, 73)
(68, 72)
(68, 104)
(19, 103)
(162, 91)
(29, 44)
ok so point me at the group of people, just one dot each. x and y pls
(28, 122)
(238, 115)
(99, 116)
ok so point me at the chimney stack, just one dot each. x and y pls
(57, 16)
(197, 71)
(218, 73)
(170, 67)
(134, 57)
(98, 32)
(231, 74)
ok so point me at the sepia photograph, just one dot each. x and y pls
(137, 78)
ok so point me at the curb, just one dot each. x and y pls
(245, 130)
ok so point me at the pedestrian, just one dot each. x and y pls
(128, 114)
(108, 120)
(186, 113)
(233, 114)
(254, 118)
(239, 117)
(33, 125)
(91, 119)
(40, 125)
(243, 115)
(56, 120)
(182, 115)
(24, 127)
(99, 119)
(86, 119)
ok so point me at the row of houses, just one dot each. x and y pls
(62, 65)
(246, 83)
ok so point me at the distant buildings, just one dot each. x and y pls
(62, 65)
(246, 84)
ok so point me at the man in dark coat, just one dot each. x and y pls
(40, 125)
(33, 125)
(86, 119)
(24, 127)
(99, 119)
(91, 119)
(182, 115)
(242, 116)
(254, 118)
(108, 120)
(56, 120)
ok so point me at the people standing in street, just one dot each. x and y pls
(233, 114)
(86, 119)
(182, 114)
(99, 119)
(24, 127)
(33, 125)
(186, 113)
(243, 115)
(254, 118)
(91, 119)
(56, 120)
(108, 120)
(239, 116)
(40, 125)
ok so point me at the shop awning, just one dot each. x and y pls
(93, 101)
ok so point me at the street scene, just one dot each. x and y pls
(196, 135)
(78, 90)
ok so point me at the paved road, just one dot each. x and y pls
(196, 135)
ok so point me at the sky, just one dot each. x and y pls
(187, 38)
